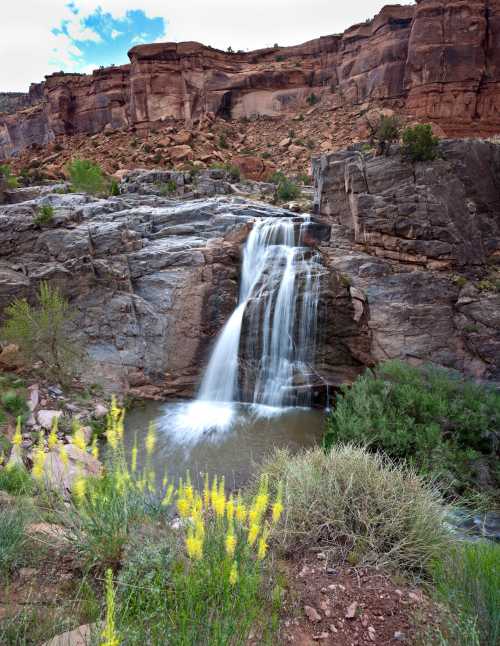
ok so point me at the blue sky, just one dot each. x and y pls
(40, 37)
(103, 39)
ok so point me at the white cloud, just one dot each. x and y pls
(27, 43)
(115, 33)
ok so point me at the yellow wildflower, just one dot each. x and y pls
(52, 439)
(262, 547)
(109, 635)
(79, 437)
(2, 457)
(150, 439)
(230, 542)
(230, 508)
(278, 505)
(183, 507)
(241, 511)
(95, 449)
(18, 438)
(233, 574)
(194, 545)
(38, 463)
(199, 527)
(79, 488)
(112, 437)
(253, 532)
(167, 499)
(164, 482)
(63, 454)
(188, 489)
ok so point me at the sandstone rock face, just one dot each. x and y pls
(438, 61)
(415, 242)
(152, 279)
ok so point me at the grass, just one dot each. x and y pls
(467, 581)
(359, 506)
(12, 539)
(17, 481)
(14, 402)
(44, 216)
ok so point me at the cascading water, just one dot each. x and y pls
(278, 301)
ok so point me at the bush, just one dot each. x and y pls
(387, 132)
(223, 141)
(10, 180)
(286, 189)
(87, 177)
(312, 99)
(41, 332)
(17, 481)
(467, 581)
(168, 188)
(44, 215)
(357, 505)
(14, 402)
(441, 424)
(114, 188)
(419, 144)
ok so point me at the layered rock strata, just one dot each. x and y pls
(438, 60)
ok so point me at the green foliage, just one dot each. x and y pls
(286, 189)
(114, 188)
(17, 481)
(44, 215)
(358, 506)
(10, 180)
(41, 332)
(280, 58)
(419, 144)
(168, 188)
(440, 424)
(12, 539)
(387, 132)
(223, 141)
(87, 177)
(14, 402)
(467, 581)
(312, 99)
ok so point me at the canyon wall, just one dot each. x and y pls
(438, 60)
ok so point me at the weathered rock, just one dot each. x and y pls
(399, 233)
(60, 476)
(437, 60)
(46, 418)
(81, 636)
(181, 153)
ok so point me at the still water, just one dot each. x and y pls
(219, 438)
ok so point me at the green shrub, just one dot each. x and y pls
(443, 425)
(17, 481)
(387, 132)
(358, 506)
(223, 141)
(114, 188)
(41, 332)
(14, 402)
(12, 539)
(168, 188)
(10, 179)
(286, 189)
(419, 144)
(467, 581)
(312, 99)
(87, 177)
(44, 215)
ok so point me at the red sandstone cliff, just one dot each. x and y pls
(438, 60)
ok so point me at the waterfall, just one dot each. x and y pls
(277, 307)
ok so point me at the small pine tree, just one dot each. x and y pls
(419, 144)
(387, 132)
(41, 332)
(86, 176)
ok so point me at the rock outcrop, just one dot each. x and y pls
(420, 246)
(436, 61)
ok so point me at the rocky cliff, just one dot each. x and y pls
(438, 60)
(411, 253)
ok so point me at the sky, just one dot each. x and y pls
(39, 37)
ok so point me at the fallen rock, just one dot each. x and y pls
(181, 153)
(312, 614)
(46, 418)
(60, 476)
(351, 610)
(81, 636)
(100, 411)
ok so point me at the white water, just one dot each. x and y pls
(279, 293)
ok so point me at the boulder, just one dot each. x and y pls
(60, 476)
(181, 153)
(46, 418)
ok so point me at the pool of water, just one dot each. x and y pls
(223, 439)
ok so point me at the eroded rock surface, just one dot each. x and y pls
(420, 246)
